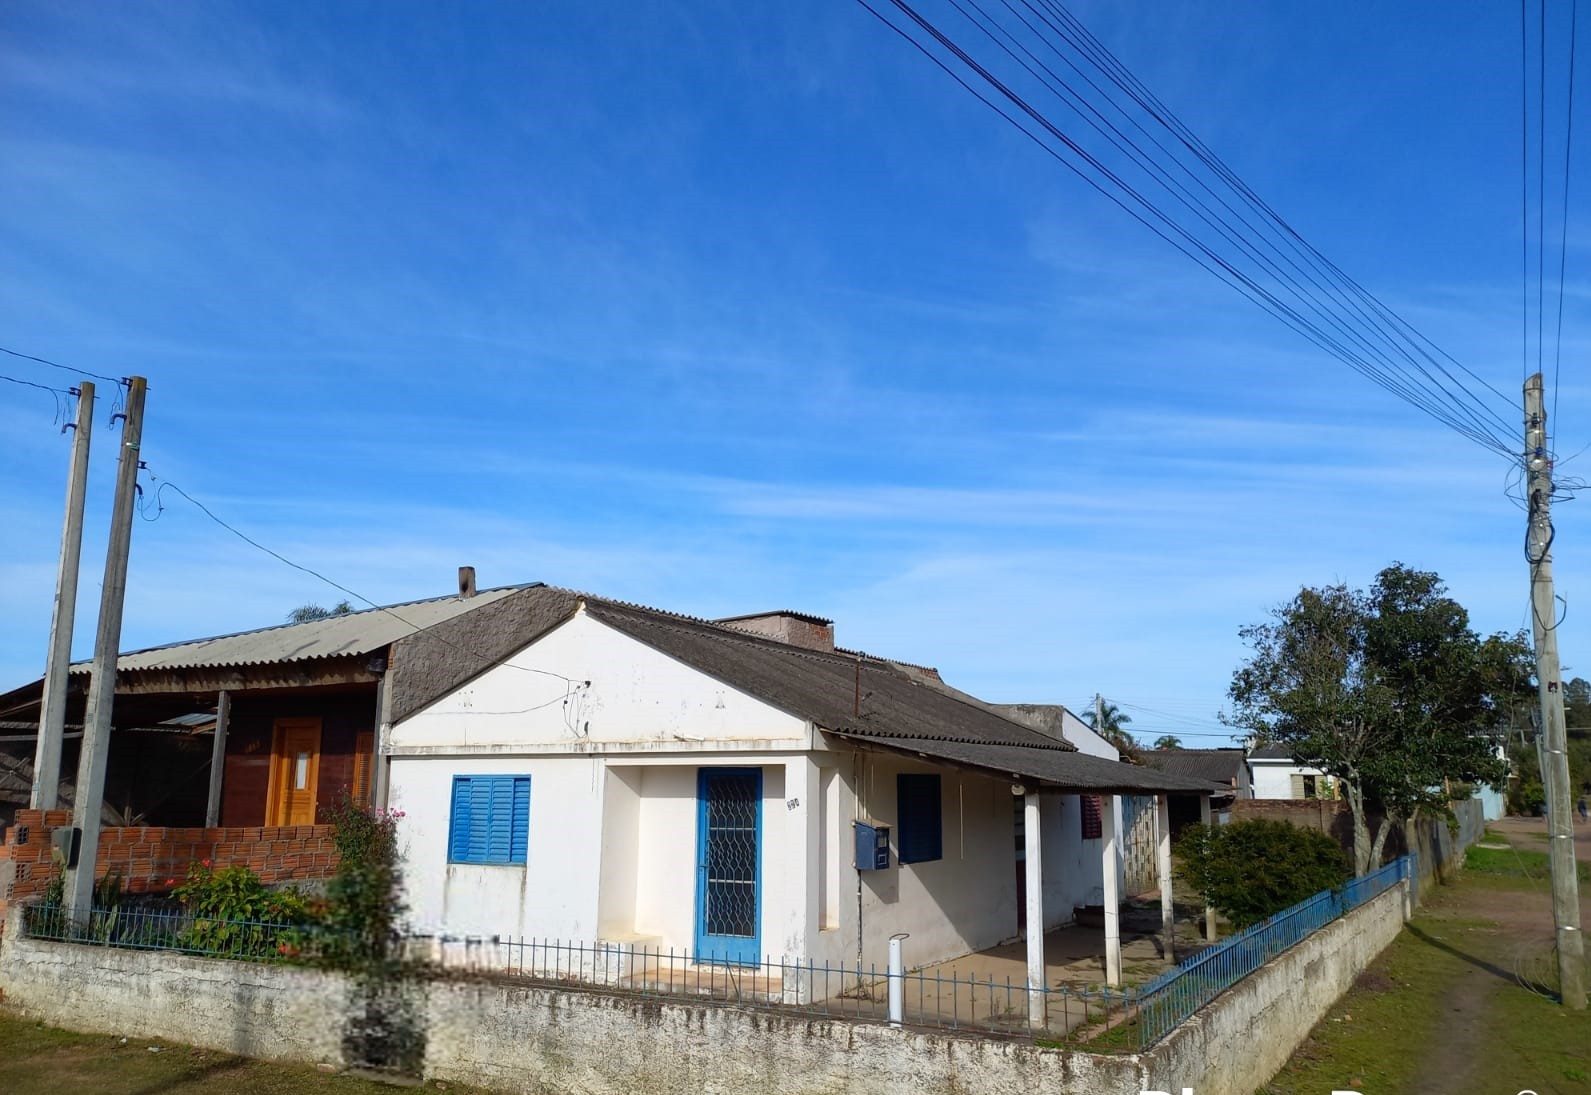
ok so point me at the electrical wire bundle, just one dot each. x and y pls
(1036, 65)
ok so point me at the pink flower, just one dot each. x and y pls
(204, 863)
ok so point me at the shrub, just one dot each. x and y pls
(1250, 870)
(236, 914)
(364, 898)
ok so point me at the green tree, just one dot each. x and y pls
(309, 613)
(1386, 690)
(1168, 741)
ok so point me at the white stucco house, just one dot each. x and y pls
(1275, 774)
(583, 769)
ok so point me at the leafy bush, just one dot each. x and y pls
(364, 898)
(1250, 870)
(236, 914)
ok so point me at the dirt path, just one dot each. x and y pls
(1458, 1002)
(1493, 941)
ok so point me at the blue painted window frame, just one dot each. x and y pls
(919, 817)
(489, 820)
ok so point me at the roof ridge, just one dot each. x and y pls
(323, 619)
(948, 692)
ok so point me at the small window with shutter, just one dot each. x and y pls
(1093, 827)
(490, 820)
(919, 829)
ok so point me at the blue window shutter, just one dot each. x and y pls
(519, 845)
(919, 819)
(490, 819)
(458, 845)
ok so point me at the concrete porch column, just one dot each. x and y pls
(1033, 881)
(802, 885)
(1163, 873)
(1109, 848)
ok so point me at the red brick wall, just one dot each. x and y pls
(155, 859)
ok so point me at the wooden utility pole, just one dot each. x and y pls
(1554, 755)
(91, 765)
(52, 709)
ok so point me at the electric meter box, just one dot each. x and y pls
(872, 846)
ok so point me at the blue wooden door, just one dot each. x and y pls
(729, 866)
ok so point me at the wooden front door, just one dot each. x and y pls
(295, 769)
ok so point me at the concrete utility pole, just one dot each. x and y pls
(1555, 758)
(91, 765)
(52, 711)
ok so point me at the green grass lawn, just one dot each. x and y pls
(40, 1060)
(1515, 863)
(1443, 1008)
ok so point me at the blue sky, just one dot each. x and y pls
(726, 307)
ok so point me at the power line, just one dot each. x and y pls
(1368, 306)
(41, 387)
(1524, 190)
(1287, 277)
(63, 368)
(1307, 296)
(1563, 227)
(167, 484)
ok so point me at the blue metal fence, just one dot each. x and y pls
(1175, 995)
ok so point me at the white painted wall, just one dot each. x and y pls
(1274, 779)
(636, 696)
(1078, 733)
(611, 850)
(962, 902)
(554, 893)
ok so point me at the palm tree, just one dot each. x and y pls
(1109, 722)
(304, 614)
(1168, 741)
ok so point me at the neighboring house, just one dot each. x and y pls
(301, 705)
(1226, 769)
(1275, 774)
(601, 771)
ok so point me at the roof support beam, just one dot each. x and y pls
(178, 681)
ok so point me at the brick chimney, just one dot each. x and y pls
(785, 626)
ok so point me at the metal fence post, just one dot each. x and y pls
(897, 976)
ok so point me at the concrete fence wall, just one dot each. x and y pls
(153, 858)
(524, 1037)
